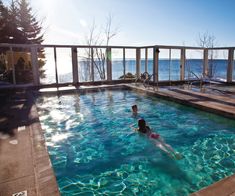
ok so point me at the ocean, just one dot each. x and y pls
(168, 70)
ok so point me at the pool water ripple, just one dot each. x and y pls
(95, 151)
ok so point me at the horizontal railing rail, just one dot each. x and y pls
(111, 46)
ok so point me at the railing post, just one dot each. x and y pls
(92, 66)
(182, 64)
(155, 64)
(146, 60)
(109, 63)
(56, 72)
(230, 65)
(13, 67)
(170, 66)
(205, 62)
(138, 62)
(75, 65)
(35, 67)
(124, 63)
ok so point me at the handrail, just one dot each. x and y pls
(201, 79)
(195, 75)
(114, 46)
(145, 78)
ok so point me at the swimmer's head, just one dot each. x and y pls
(141, 123)
(134, 108)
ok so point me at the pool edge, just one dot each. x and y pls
(46, 183)
(226, 186)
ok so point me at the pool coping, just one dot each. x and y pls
(223, 187)
(45, 176)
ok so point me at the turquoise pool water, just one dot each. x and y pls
(95, 152)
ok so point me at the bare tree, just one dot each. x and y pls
(109, 31)
(207, 40)
(97, 37)
(91, 39)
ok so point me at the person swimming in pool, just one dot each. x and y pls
(145, 129)
(134, 110)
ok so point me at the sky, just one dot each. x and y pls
(138, 22)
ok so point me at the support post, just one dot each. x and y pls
(138, 62)
(56, 71)
(230, 65)
(13, 66)
(124, 63)
(35, 67)
(109, 63)
(146, 60)
(205, 62)
(182, 64)
(75, 65)
(92, 66)
(155, 64)
(170, 66)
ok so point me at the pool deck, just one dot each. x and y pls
(24, 160)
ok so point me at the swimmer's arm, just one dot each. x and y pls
(132, 126)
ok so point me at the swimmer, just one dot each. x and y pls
(143, 128)
(134, 110)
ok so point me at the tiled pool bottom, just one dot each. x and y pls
(94, 150)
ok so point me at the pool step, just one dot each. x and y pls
(216, 98)
(216, 104)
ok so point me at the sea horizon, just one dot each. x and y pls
(168, 69)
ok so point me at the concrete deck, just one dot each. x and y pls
(24, 161)
(225, 187)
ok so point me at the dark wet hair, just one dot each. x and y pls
(142, 126)
(134, 106)
(141, 123)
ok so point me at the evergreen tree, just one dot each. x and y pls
(4, 24)
(19, 26)
(31, 30)
(2, 60)
(7, 24)
(28, 24)
(14, 32)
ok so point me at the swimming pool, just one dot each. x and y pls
(94, 151)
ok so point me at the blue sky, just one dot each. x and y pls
(139, 22)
